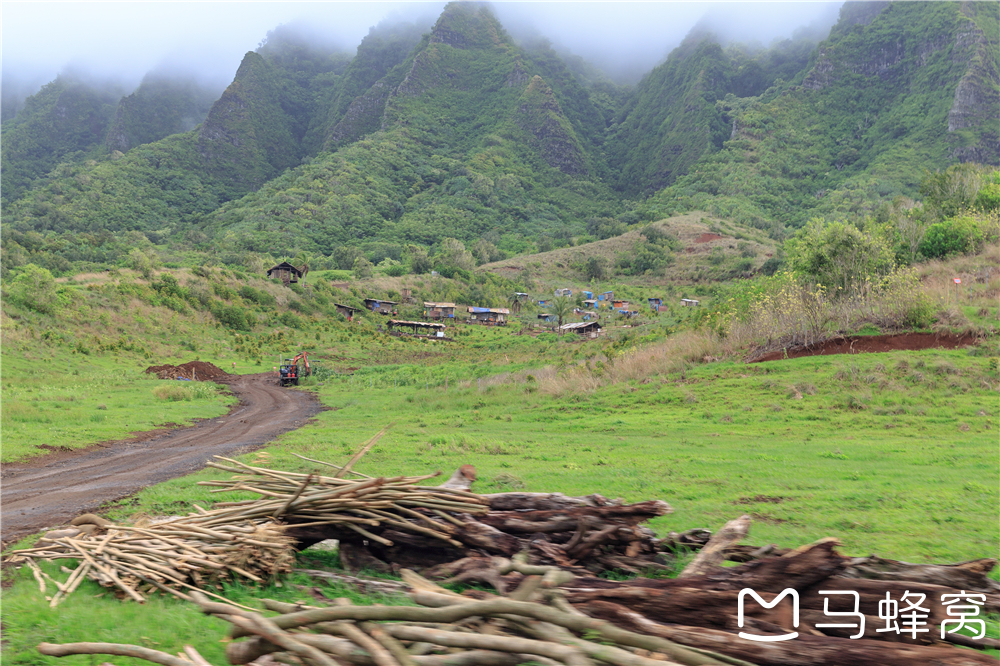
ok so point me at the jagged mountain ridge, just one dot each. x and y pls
(897, 89)
(462, 132)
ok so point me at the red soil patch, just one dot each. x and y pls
(708, 238)
(857, 344)
(197, 370)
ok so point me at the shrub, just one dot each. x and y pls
(35, 288)
(233, 317)
(957, 235)
(257, 296)
(173, 392)
(396, 271)
(988, 197)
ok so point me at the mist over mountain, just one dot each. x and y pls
(459, 128)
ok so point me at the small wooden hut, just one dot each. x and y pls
(439, 310)
(488, 316)
(379, 306)
(284, 272)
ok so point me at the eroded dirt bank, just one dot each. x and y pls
(53, 489)
(858, 344)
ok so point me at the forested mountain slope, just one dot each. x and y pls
(162, 105)
(66, 116)
(462, 133)
(898, 88)
(471, 138)
(674, 116)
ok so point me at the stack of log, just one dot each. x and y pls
(534, 625)
(408, 525)
(553, 617)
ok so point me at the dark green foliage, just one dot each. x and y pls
(596, 268)
(645, 257)
(35, 289)
(957, 235)
(63, 118)
(988, 198)
(257, 296)
(162, 105)
(605, 227)
(234, 317)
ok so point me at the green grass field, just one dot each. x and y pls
(894, 454)
(94, 401)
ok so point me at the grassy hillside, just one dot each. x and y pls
(705, 250)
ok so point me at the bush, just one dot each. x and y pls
(959, 235)
(35, 288)
(173, 392)
(233, 317)
(988, 197)
(363, 268)
(257, 296)
(396, 271)
(596, 268)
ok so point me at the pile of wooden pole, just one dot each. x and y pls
(534, 625)
(250, 538)
(553, 617)
(191, 553)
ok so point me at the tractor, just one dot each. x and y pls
(290, 371)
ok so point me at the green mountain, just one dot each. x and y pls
(462, 133)
(897, 89)
(162, 105)
(66, 116)
(356, 104)
(464, 137)
(674, 117)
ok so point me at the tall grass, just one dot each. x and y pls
(674, 355)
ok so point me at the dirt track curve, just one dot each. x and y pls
(53, 489)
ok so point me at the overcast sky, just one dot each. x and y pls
(125, 40)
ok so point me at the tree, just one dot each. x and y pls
(839, 254)
(302, 260)
(420, 263)
(35, 288)
(362, 268)
(345, 256)
(452, 252)
(596, 268)
(142, 262)
(561, 307)
(958, 235)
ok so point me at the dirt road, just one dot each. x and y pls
(55, 488)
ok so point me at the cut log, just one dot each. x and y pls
(713, 553)
(805, 650)
(969, 576)
(567, 520)
(799, 569)
(543, 501)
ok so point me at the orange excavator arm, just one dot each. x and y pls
(305, 360)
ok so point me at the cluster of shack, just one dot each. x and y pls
(590, 309)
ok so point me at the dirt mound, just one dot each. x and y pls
(857, 344)
(196, 370)
(708, 238)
